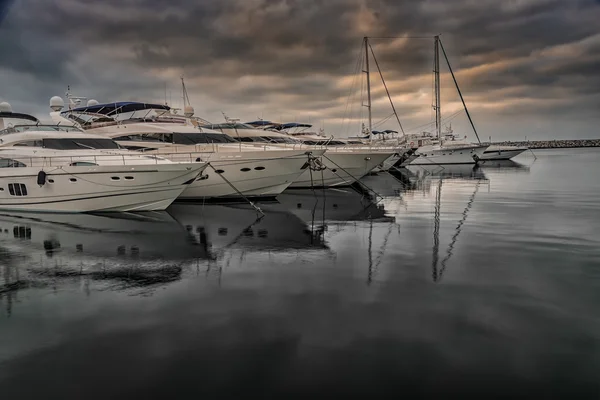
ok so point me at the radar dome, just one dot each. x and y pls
(92, 102)
(57, 103)
(5, 107)
(188, 111)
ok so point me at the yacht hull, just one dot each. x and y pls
(76, 189)
(429, 155)
(254, 174)
(341, 169)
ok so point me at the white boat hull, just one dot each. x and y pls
(76, 189)
(259, 174)
(501, 153)
(430, 155)
(342, 169)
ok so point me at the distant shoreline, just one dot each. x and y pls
(552, 144)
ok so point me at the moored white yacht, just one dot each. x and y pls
(235, 170)
(448, 150)
(342, 164)
(53, 168)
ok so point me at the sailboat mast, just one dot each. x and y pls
(367, 71)
(436, 72)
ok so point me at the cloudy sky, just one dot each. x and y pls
(526, 67)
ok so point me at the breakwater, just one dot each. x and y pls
(553, 144)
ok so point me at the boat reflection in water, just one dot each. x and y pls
(505, 165)
(333, 205)
(449, 194)
(126, 248)
(239, 226)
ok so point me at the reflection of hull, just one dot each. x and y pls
(502, 152)
(508, 165)
(342, 169)
(464, 171)
(75, 189)
(126, 236)
(239, 226)
(331, 205)
(435, 155)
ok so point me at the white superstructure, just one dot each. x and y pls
(61, 169)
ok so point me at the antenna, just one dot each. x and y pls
(368, 85)
(436, 73)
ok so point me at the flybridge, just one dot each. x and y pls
(118, 108)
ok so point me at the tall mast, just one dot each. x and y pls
(436, 73)
(183, 92)
(368, 85)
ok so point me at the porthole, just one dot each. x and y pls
(129, 178)
(334, 170)
(198, 159)
(219, 171)
(245, 169)
(115, 178)
(73, 180)
(259, 168)
(1, 189)
(50, 180)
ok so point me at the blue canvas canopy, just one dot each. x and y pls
(119, 107)
(389, 131)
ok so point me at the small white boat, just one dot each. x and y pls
(50, 168)
(498, 152)
(449, 150)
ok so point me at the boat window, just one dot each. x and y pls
(141, 137)
(17, 189)
(228, 126)
(279, 139)
(8, 163)
(248, 139)
(79, 143)
(29, 143)
(202, 138)
(82, 164)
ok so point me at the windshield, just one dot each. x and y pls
(79, 143)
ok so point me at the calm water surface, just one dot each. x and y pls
(457, 280)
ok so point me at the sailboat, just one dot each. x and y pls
(446, 147)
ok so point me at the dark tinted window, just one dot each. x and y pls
(79, 144)
(202, 137)
(8, 163)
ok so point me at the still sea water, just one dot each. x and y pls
(457, 281)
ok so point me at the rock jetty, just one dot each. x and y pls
(553, 144)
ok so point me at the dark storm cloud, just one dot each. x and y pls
(297, 55)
